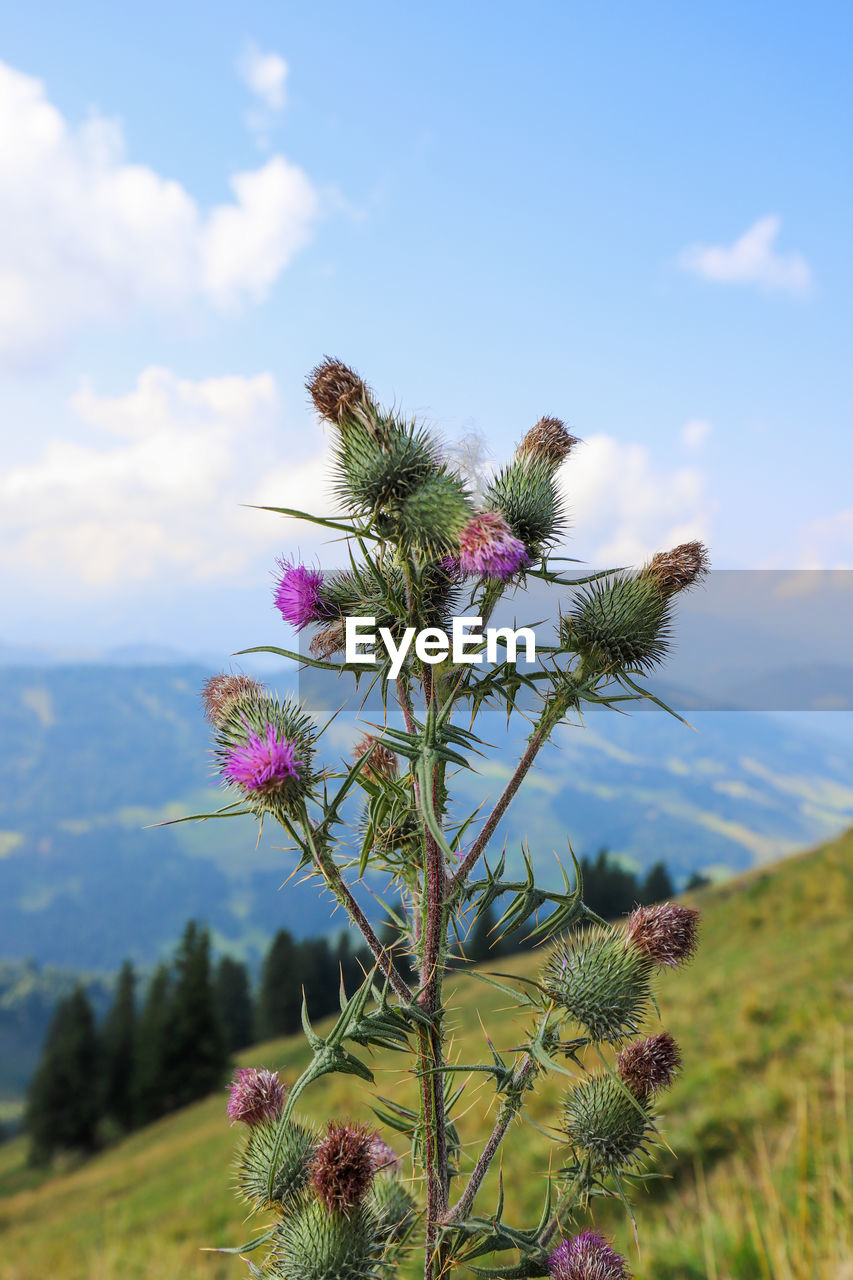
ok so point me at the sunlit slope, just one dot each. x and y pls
(758, 1015)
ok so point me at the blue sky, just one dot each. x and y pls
(635, 217)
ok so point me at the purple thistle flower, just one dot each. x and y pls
(489, 549)
(262, 764)
(256, 1095)
(297, 595)
(649, 1065)
(587, 1257)
(666, 933)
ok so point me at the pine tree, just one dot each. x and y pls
(64, 1099)
(280, 995)
(118, 1040)
(196, 1054)
(657, 886)
(152, 1039)
(482, 943)
(234, 1001)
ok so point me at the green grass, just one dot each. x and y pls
(755, 1120)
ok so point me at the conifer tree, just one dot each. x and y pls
(118, 1040)
(280, 995)
(64, 1098)
(657, 886)
(235, 1004)
(150, 1067)
(196, 1054)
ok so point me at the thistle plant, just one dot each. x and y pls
(343, 1203)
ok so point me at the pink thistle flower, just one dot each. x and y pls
(649, 1065)
(666, 934)
(256, 1095)
(385, 1158)
(297, 595)
(489, 549)
(262, 764)
(587, 1256)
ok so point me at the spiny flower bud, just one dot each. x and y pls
(621, 623)
(337, 390)
(666, 934)
(298, 594)
(292, 1147)
(343, 1167)
(607, 1123)
(488, 548)
(256, 1095)
(381, 764)
(385, 1158)
(220, 694)
(548, 441)
(649, 1065)
(312, 1244)
(526, 496)
(587, 1256)
(394, 1207)
(679, 569)
(264, 763)
(602, 983)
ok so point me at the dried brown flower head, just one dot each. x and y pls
(548, 441)
(649, 1065)
(219, 694)
(336, 390)
(343, 1166)
(679, 569)
(381, 763)
(328, 641)
(666, 934)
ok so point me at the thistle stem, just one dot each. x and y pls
(546, 724)
(510, 1109)
(331, 874)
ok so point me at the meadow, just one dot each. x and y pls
(757, 1184)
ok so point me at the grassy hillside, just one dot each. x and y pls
(760, 1106)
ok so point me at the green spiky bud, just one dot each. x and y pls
(433, 515)
(314, 1244)
(375, 472)
(264, 746)
(604, 1120)
(525, 495)
(293, 1164)
(601, 981)
(394, 1207)
(619, 624)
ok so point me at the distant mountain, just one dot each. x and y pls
(92, 755)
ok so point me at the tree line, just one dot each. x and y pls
(148, 1057)
(152, 1055)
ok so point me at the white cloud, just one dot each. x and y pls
(827, 543)
(751, 259)
(695, 433)
(624, 507)
(264, 74)
(159, 498)
(86, 236)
